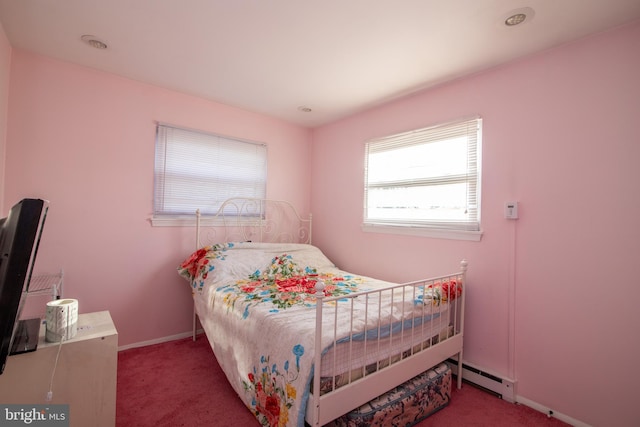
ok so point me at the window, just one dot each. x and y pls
(197, 170)
(427, 179)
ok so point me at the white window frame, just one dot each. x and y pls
(200, 170)
(467, 224)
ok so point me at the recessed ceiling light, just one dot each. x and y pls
(304, 109)
(516, 19)
(94, 42)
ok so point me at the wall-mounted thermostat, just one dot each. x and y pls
(511, 210)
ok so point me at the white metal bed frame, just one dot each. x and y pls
(267, 220)
(241, 219)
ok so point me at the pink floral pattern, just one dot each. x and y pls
(284, 284)
(197, 267)
(439, 292)
(272, 389)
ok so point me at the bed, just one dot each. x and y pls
(277, 312)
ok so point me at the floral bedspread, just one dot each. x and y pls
(256, 301)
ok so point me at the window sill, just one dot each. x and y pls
(474, 236)
(173, 221)
(205, 221)
(184, 221)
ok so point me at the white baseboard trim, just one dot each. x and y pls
(159, 340)
(550, 412)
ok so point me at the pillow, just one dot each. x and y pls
(440, 292)
(199, 263)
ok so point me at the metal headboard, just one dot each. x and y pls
(257, 220)
(250, 219)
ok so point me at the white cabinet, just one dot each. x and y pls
(85, 376)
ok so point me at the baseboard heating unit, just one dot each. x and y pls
(502, 387)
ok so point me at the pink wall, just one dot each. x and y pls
(84, 140)
(551, 296)
(5, 66)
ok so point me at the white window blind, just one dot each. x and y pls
(427, 178)
(197, 170)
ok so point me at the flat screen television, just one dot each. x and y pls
(20, 235)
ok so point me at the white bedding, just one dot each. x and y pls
(256, 304)
(350, 355)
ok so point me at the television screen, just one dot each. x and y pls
(20, 235)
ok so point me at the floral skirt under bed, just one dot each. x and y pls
(405, 405)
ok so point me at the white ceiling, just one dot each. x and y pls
(337, 57)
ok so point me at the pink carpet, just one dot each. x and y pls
(179, 383)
